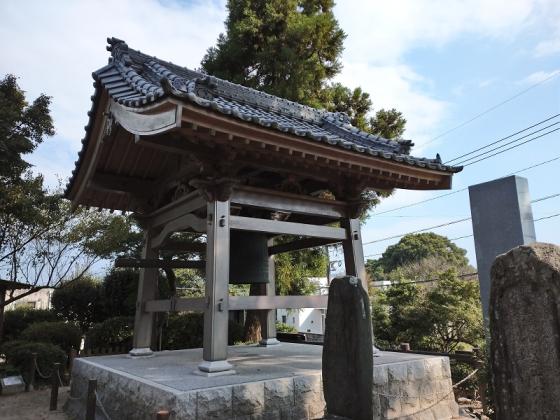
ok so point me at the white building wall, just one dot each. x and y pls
(308, 320)
(41, 299)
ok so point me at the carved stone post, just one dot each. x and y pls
(216, 316)
(525, 332)
(147, 290)
(268, 320)
(348, 351)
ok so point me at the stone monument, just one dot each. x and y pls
(348, 351)
(525, 332)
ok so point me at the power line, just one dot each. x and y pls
(492, 108)
(504, 138)
(404, 283)
(546, 217)
(548, 197)
(453, 222)
(418, 231)
(465, 189)
(512, 147)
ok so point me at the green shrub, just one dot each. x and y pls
(185, 331)
(19, 319)
(18, 353)
(63, 334)
(78, 301)
(285, 328)
(113, 332)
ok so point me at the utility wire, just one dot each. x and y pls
(512, 147)
(403, 283)
(502, 139)
(453, 222)
(492, 108)
(418, 231)
(546, 162)
(508, 143)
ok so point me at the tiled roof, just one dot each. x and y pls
(135, 79)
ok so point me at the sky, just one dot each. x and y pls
(442, 63)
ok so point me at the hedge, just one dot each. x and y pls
(19, 319)
(63, 334)
(185, 331)
(18, 353)
(113, 332)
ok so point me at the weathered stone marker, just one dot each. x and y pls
(348, 351)
(525, 332)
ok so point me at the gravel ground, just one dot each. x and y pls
(32, 405)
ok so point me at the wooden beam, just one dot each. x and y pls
(184, 222)
(286, 228)
(179, 305)
(120, 183)
(158, 263)
(300, 244)
(276, 302)
(179, 246)
(184, 205)
(274, 200)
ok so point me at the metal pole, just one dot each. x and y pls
(54, 386)
(91, 400)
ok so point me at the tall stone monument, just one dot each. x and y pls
(525, 332)
(348, 351)
(501, 219)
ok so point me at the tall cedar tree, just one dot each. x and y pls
(292, 49)
(287, 48)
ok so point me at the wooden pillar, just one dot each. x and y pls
(354, 251)
(147, 290)
(268, 321)
(2, 301)
(216, 315)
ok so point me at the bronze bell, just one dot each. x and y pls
(248, 257)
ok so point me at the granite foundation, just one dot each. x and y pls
(277, 382)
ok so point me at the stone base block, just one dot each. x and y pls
(276, 382)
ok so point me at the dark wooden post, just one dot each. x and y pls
(2, 302)
(55, 378)
(31, 373)
(73, 355)
(91, 400)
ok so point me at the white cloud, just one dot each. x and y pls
(54, 46)
(548, 47)
(539, 77)
(380, 34)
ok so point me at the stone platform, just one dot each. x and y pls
(276, 382)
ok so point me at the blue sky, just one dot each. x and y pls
(439, 62)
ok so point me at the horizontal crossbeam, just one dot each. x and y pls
(292, 203)
(276, 302)
(178, 305)
(237, 303)
(286, 228)
(301, 244)
(158, 263)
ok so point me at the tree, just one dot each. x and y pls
(427, 304)
(416, 247)
(389, 124)
(79, 302)
(283, 47)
